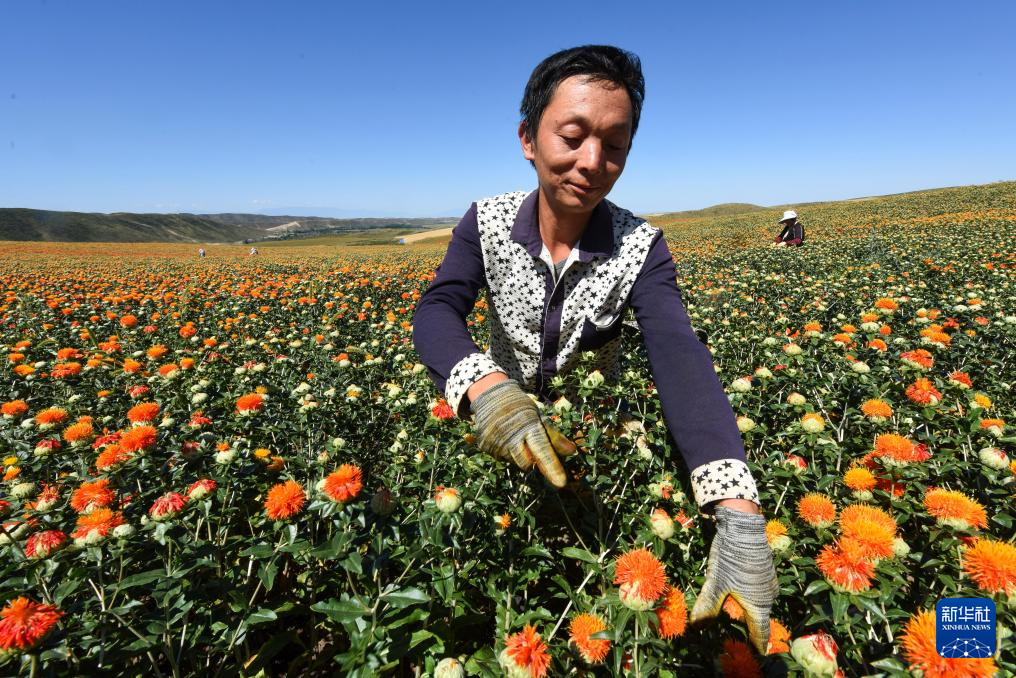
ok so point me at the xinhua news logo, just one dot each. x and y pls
(965, 627)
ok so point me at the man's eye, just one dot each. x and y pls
(574, 142)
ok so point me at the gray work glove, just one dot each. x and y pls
(740, 565)
(509, 426)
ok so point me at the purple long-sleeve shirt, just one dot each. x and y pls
(540, 323)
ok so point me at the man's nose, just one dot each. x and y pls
(591, 156)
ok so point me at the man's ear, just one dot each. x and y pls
(527, 143)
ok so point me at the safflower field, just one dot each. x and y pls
(237, 465)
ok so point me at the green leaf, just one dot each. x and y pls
(869, 604)
(839, 602)
(259, 551)
(354, 563)
(261, 616)
(1003, 519)
(142, 579)
(889, 663)
(406, 597)
(267, 573)
(537, 550)
(330, 549)
(296, 547)
(340, 610)
(579, 554)
(816, 586)
(483, 662)
(395, 619)
(422, 637)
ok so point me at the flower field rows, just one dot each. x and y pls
(237, 466)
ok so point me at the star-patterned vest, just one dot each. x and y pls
(539, 327)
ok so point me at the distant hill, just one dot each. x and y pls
(702, 233)
(45, 225)
(722, 210)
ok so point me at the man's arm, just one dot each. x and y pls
(453, 359)
(695, 407)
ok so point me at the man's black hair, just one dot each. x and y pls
(603, 63)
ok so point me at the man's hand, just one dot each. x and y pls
(509, 426)
(740, 565)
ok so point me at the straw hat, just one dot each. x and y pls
(788, 215)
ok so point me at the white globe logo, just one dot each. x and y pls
(965, 647)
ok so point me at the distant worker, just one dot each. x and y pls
(253, 251)
(793, 231)
(201, 252)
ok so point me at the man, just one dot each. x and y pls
(562, 265)
(792, 234)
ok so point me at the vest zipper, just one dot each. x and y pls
(543, 327)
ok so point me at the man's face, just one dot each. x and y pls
(581, 145)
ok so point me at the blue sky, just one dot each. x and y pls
(410, 109)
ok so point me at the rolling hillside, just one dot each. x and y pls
(49, 226)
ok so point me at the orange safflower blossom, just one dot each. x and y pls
(250, 403)
(593, 651)
(343, 484)
(14, 408)
(733, 609)
(111, 456)
(143, 413)
(923, 392)
(672, 613)
(641, 578)
(738, 660)
(955, 509)
(886, 305)
(167, 506)
(48, 418)
(23, 623)
(776, 535)
(876, 410)
(919, 359)
(199, 489)
(961, 379)
(982, 401)
(896, 450)
(993, 426)
(525, 654)
(992, 566)
(94, 526)
(138, 438)
(778, 638)
(285, 500)
(90, 496)
(860, 480)
(42, 544)
(872, 528)
(64, 370)
(845, 566)
(79, 434)
(169, 370)
(812, 422)
(816, 510)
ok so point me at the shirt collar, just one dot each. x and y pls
(596, 241)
